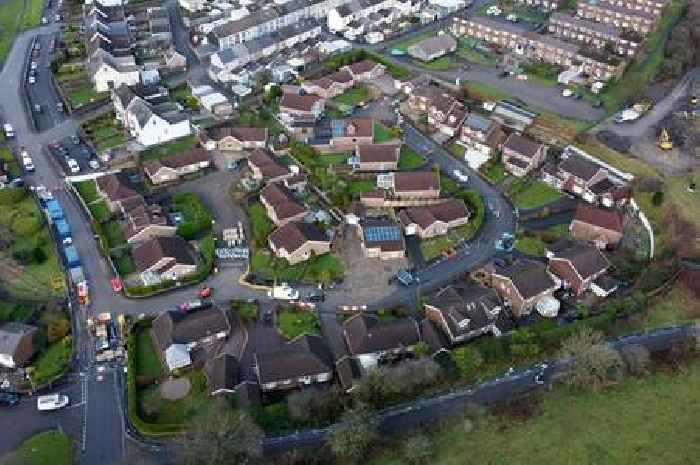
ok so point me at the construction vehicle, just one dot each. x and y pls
(665, 141)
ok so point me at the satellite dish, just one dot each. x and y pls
(548, 307)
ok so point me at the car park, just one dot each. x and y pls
(52, 402)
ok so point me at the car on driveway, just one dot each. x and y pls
(73, 165)
(51, 402)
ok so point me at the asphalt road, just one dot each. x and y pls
(43, 92)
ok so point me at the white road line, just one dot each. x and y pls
(85, 410)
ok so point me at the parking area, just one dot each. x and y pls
(74, 155)
(47, 108)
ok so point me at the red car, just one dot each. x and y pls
(205, 292)
(116, 284)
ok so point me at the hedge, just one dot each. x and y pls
(197, 218)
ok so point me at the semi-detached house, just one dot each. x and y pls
(280, 204)
(163, 258)
(434, 220)
(302, 362)
(523, 284)
(522, 155)
(297, 242)
(172, 168)
(578, 265)
(370, 342)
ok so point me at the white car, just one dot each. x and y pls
(512, 18)
(493, 11)
(73, 165)
(51, 402)
(32, 80)
(94, 164)
(33, 65)
(567, 92)
(44, 20)
(27, 163)
(461, 176)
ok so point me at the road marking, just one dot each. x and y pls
(85, 410)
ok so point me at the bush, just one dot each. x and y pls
(658, 198)
(315, 407)
(467, 359)
(595, 364)
(197, 218)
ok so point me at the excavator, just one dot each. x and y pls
(665, 141)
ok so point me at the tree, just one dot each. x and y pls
(352, 438)
(594, 364)
(418, 450)
(524, 344)
(636, 358)
(422, 349)
(222, 437)
(467, 359)
(315, 406)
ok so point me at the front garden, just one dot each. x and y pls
(295, 322)
(527, 193)
(104, 132)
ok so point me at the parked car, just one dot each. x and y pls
(52, 402)
(9, 399)
(317, 297)
(116, 284)
(461, 176)
(94, 164)
(73, 165)
(75, 139)
(44, 20)
(37, 108)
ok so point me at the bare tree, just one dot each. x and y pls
(223, 437)
(352, 438)
(594, 363)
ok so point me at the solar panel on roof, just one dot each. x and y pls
(383, 233)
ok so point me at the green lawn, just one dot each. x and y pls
(292, 322)
(114, 234)
(10, 311)
(33, 12)
(494, 172)
(183, 95)
(266, 266)
(404, 44)
(457, 151)
(439, 64)
(10, 23)
(448, 185)
(466, 49)
(435, 246)
(51, 447)
(384, 134)
(84, 94)
(543, 73)
(353, 96)
(361, 186)
(99, 211)
(528, 194)
(52, 362)
(328, 159)
(104, 132)
(124, 263)
(647, 421)
(155, 409)
(482, 91)
(10, 162)
(169, 148)
(260, 223)
(87, 190)
(410, 159)
(147, 361)
(530, 246)
(197, 220)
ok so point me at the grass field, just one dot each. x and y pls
(10, 162)
(530, 246)
(404, 44)
(52, 362)
(410, 159)
(466, 49)
(260, 224)
(435, 246)
(266, 266)
(532, 194)
(16, 15)
(165, 412)
(147, 361)
(648, 421)
(494, 172)
(169, 148)
(104, 132)
(292, 323)
(384, 134)
(48, 448)
(439, 64)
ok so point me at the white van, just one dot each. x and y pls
(51, 402)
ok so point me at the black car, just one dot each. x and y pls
(9, 399)
(317, 297)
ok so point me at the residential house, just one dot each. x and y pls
(523, 285)
(381, 238)
(236, 138)
(416, 185)
(298, 113)
(173, 62)
(280, 205)
(545, 4)
(621, 17)
(114, 191)
(223, 374)
(434, 220)
(124, 95)
(163, 258)
(155, 124)
(443, 110)
(16, 344)
(329, 86)
(481, 137)
(601, 226)
(338, 135)
(433, 47)
(578, 265)
(264, 167)
(365, 70)
(144, 222)
(174, 167)
(297, 242)
(377, 157)
(588, 178)
(371, 342)
(108, 72)
(176, 334)
(467, 311)
(522, 155)
(302, 362)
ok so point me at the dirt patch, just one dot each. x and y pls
(614, 141)
(175, 389)
(676, 358)
(516, 412)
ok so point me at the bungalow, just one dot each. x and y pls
(464, 312)
(114, 191)
(371, 342)
(280, 204)
(172, 168)
(381, 238)
(176, 334)
(264, 167)
(434, 220)
(236, 138)
(304, 361)
(433, 47)
(163, 258)
(16, 344)
(578, 266)
(144, 222)
(298, 242)
(377, 157)
(365, 70)
(601, 226)
(522, 155)
(416, 185)
(523, 285)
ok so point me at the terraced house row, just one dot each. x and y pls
(540, 47)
